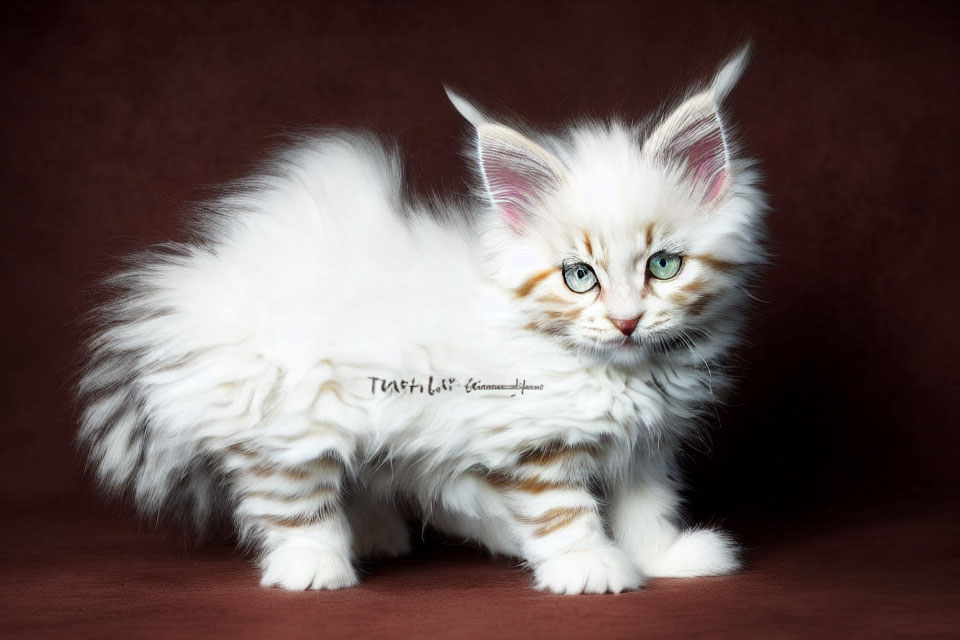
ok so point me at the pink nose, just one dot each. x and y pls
(626, 326)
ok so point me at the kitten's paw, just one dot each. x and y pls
(385, 538)
(604, 570)
(299, 568)
(696, 552)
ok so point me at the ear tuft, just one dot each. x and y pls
(730, 72)
(468, 110)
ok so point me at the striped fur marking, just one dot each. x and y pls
(554, 519)
(698, 306)
(551, 299)
(567, 316)
(679, 298)
(316, 492)
(530, 283)
(715, 263)
(694, 286)
(504, 481)
(546, 456)
(304, 472)
(293, 522)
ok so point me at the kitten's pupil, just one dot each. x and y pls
(581, 273)
(663, 262)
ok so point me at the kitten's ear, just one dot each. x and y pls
(517, 172)
(693, 138)
(470, 112)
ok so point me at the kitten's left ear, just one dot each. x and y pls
(693, 138)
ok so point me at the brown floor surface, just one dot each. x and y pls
(85, 574)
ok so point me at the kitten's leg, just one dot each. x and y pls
(555, 519)
(643, 511)
(294, 512)
(485, 531)
(379, 528)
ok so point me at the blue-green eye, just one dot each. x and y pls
(664, 266)
(579, 277)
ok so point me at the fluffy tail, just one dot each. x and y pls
(127, 450)
(175, 371)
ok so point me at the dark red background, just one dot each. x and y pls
(837, 460)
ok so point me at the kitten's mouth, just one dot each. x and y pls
(623, 342)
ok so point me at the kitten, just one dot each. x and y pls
(520, 370)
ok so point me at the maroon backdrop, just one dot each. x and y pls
(117, 114)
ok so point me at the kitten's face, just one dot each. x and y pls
(626, 259)
(621, 241)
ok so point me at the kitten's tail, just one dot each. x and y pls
(175, 373)
(129, 451)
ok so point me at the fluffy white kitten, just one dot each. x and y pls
(326, 350)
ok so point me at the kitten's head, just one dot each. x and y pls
(619, 239)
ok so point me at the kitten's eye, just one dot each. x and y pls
(579, 277)
(664, 266)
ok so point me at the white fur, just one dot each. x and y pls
(321, 273)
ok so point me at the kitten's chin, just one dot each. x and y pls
(623, 351)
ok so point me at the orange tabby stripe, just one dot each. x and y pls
(544, 457)
(242, 450)
(294, 522)
(502, 480)
(700, 305)
(266, 471)
(270, 495)
(715, 263)
(531, 282)
(694, 286)
(586, 242)
(553, 519)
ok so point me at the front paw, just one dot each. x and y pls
(603, 570)
(695, 553)
(299, 568)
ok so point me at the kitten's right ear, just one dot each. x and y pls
(517, 172)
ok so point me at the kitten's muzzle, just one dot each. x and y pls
(626, 326)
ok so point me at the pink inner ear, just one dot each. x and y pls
(706, 157)
(511, 213)
(717, 187)
(511, 191)
(699, 146)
